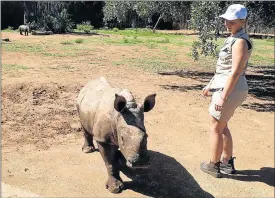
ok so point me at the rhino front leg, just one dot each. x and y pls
(108, 153)
(88, 146)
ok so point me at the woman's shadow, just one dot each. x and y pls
(165, 177)
(265, 175)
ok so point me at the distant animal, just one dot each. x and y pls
(112, 117)
(25, 29)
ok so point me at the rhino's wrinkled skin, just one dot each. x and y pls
(115, 121)
(25, 29)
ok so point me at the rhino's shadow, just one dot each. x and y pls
(164, 178)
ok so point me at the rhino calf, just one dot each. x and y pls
(115, 121)
(25, 29)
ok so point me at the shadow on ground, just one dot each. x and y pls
(265, 175)
(87, 34)
(165, 177)
(261, 85)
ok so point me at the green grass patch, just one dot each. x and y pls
(9, 29)
(151, 45)
(22, 47)
(66, 54)
(122, 41)
(145, 37)
(270, 40)
(261, 59)
(134, 40)
(135, 32)
(117, 63)
(165, 40)
(167, 46)
(157, 40)
(76, 48)
(67, 49)
(154, 51)
(263, 42)
(72, 53)
(66, 42)
(129, 40)
(168, 52)
(79, 40)
(152, 64)
(14, 67)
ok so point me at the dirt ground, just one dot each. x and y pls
(41, 148)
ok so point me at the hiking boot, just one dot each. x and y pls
(228, 168)
(211, 168)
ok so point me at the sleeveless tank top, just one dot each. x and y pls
(224, 63)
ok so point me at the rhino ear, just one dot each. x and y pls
(119, 103)
(149, 102)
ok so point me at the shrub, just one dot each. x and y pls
(166, 40)
(115, 29)
(79, 40)
(85, 27)
(125, 40)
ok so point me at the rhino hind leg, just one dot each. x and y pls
(109, 154)
(88, 146)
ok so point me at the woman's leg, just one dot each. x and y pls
(216, 139)
(227, 166)
(227, 145)
(216, 148)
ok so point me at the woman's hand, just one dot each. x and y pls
(205, 90)
(219, 104)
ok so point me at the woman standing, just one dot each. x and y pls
(230, 90)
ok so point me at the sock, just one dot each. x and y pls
(224, 161)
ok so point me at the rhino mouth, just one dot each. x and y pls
(144, 163)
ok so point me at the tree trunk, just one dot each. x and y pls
(25, 18)
(25, 10)
(160, 17)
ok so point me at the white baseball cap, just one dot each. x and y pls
(235, 11)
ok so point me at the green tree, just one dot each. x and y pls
(48, 15)
(260, 16)
(205, 19)
(166, 10)
(117, 10)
